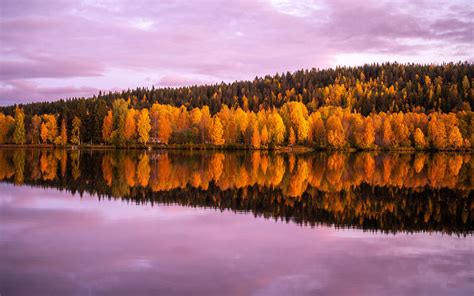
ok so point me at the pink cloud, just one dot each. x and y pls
(23, 91)
(176, 81)
(47, 67)
(220, 40)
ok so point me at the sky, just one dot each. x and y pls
(55, 49)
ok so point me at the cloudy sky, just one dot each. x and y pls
(54, 49)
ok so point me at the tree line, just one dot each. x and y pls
(370, 89)
(292, 124)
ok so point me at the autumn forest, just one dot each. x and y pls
(387, 106)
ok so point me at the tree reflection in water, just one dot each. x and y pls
(387, 192)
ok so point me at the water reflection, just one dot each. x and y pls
(53, 244)
(389, 192)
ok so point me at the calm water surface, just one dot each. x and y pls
(243, 223)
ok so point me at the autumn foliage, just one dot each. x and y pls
(293, 124)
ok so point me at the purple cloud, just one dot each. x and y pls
(25, 91)
(117, 45)
(177, 81)
(47, 68)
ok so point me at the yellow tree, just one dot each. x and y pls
(228, 120)
(455, 139)
(9, 128)
(245, 103)
(195, 116)
(216, 132)
(437, 133)
(52, 126)
(318, 132)
(369, 133)
(44, 133)
(357, 123)
(119, 113)
(264, 136)
(400, 130)
(255, 139)
(204, 124)
(144, 126)
(387, 133)
(130, 125)
(335, 132)
(3, 128)
(164, 126)
(419, 139)
(365, 137)
(242, 120)
(19, 135)
(295, 115)
(107, 127)
(183, 119)
(278, 129)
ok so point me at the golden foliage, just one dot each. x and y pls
(144, 126)
(335, 132)
(216, 132)
(107, 127)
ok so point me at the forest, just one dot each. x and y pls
(378, 106)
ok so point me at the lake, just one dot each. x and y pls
(132, 222)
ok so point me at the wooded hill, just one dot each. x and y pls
(369, 89)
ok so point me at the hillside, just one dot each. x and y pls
(369, 89)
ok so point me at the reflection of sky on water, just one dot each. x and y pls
(56, 243)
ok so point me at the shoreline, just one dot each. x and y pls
(298, 148)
